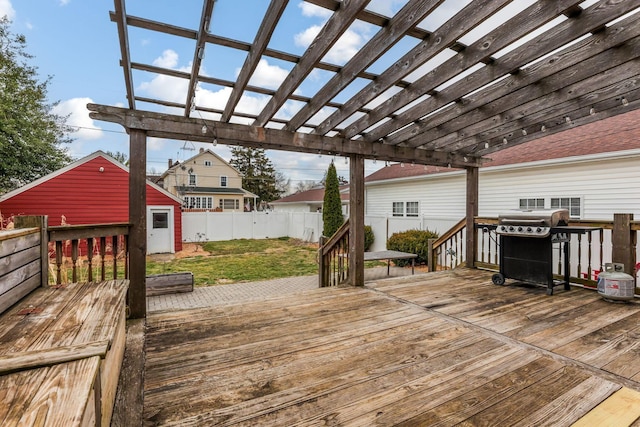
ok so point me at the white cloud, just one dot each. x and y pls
(311, 10)
(266, 75)
(64, 2)
(344, 49)
(155, 144)
(169, 59)
(305, 38)
(166, 88)
(78, 117)
(6, 9)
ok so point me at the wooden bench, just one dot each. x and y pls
(61, 347)
(389, 255)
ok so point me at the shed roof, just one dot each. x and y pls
(74, 165)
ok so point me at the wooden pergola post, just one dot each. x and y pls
(138, 223)
(356, 220)
(471, 212)
(622, 240)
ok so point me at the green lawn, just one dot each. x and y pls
(245, 260)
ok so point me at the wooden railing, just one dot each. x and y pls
(587, 250)
(105, 248)
(333, 257)
(448, 251)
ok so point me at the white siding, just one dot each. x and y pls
(439, 196)
(606, 185)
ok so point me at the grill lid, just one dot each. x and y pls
(531, 223)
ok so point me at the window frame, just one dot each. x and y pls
(531, 203)
(568, 202)
(397, 212)
(412, 214)
(224, 181)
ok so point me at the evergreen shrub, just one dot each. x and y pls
(414, 242)
(369, 238)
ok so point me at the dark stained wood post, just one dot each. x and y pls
(472, 212)
(138, 221)
(356, 220)
(622, 240)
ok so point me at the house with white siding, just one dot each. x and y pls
(593, 170)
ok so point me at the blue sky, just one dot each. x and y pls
(75, 42)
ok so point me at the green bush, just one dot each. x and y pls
(369, 238)
(411, 241)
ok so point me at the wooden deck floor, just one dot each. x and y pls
(447, 348)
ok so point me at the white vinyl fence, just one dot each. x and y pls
(216, 226)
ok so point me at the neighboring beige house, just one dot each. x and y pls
(206, 182)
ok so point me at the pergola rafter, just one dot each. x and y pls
(451, 94)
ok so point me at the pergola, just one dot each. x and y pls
(549, 65)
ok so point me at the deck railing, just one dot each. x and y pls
(448, 251)
(589, 251)
(333, 257)
(104, 247)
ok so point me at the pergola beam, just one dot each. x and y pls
(511, 31)
(337, 24)
(198, 55)
(407, 18)
(186, 128)
(570, 59)
(274, 12)
(463, 22)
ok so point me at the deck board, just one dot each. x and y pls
(448, 348)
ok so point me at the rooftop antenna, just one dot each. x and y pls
(186, 147)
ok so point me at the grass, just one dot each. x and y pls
(244, 260)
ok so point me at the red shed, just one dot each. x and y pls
(95, 190)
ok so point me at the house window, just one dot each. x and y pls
(223, 181)
(531, 203)
(207, 162)
(229, 204)
(398, 209)
(572, 203)
(412, 209)
(192, 179)
(191, 202)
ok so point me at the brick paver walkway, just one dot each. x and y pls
(207, 296)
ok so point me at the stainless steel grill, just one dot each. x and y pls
(531, 223)
(527, 238)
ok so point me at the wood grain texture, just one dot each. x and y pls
(419, 350)
(46, 357)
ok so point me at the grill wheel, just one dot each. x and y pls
(498, 279)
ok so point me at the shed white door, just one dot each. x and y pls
(160, 229)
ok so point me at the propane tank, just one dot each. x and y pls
(614, 284)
